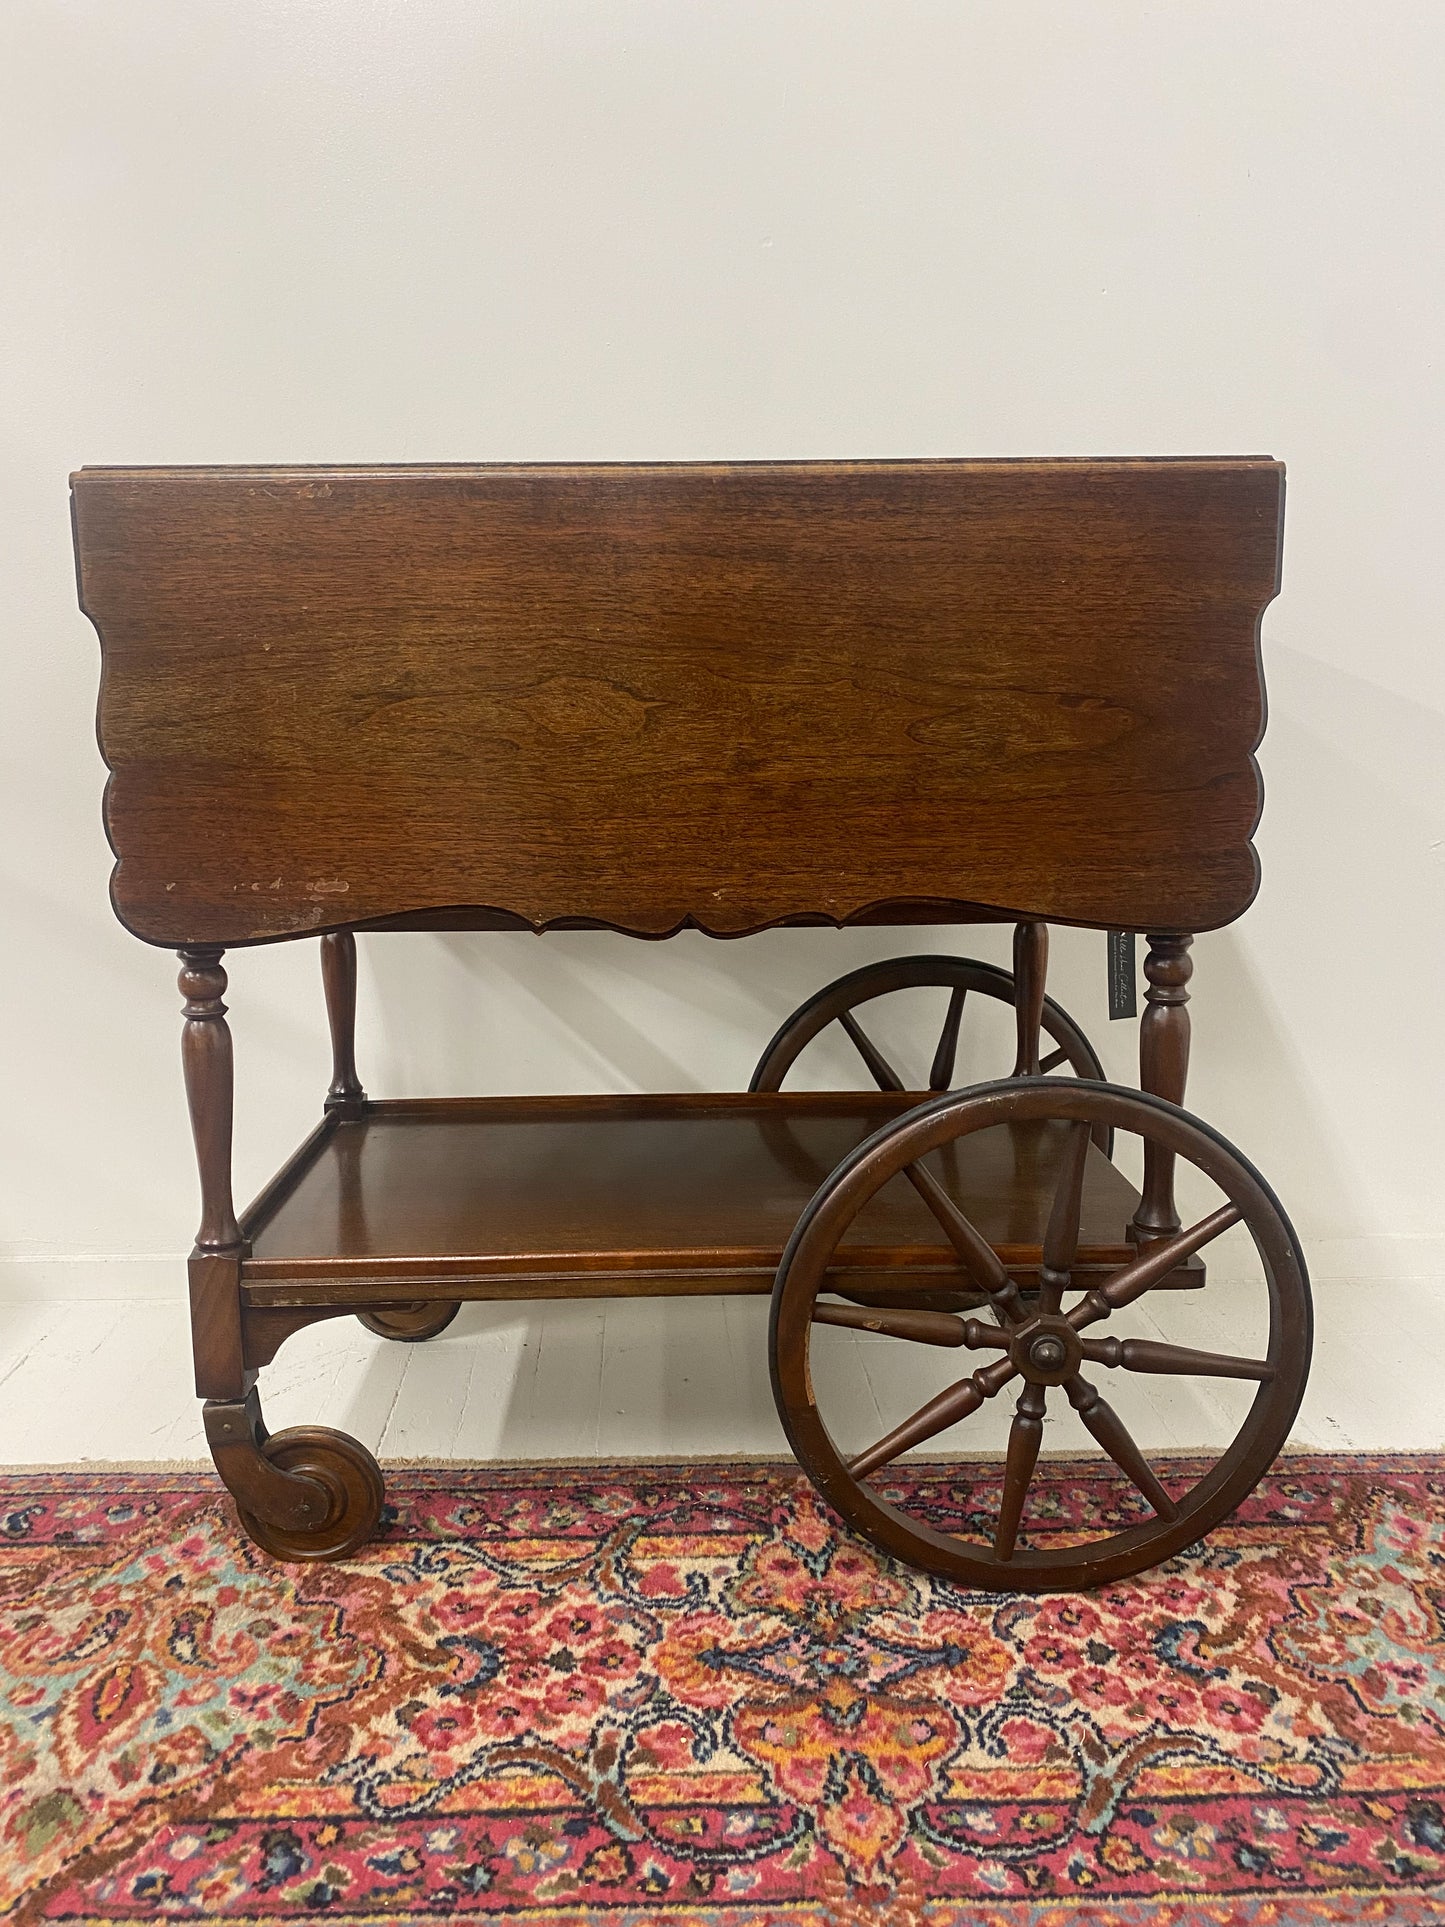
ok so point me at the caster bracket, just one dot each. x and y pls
(237, 1435)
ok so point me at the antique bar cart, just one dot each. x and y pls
(722, 698)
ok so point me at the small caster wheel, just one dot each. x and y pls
(352, 1479)
(410, 1322)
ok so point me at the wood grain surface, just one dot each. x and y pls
(537, 1196)
(657, 697)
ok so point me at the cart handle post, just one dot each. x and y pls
(1031, 969)
(338, 980)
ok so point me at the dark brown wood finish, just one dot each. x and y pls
(305, 1493)
(414, 1323)
(1031, 969)
(206, 1059)
(1163, 1070)
(513, 1196)
(845, 690)
(338, 977)
(962, 977)
(1042, 1342)
(726, 697)
(215, 1264)
(237, 1436)
(308, 1493)
(840, 1002)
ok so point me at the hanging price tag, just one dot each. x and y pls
(1123, 977)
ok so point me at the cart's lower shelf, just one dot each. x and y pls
(581, 1196)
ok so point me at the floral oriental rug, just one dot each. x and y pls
(682, 1694)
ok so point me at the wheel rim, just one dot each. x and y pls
(803, 1281)
(961, 977)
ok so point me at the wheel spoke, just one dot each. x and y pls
(940, 1078)
(960, 1401)
(979, 1257)
(922, 1327)
(879, 1068)
(1061, 1238)
(1111, 1432)
(1144, 1355)
(1053, 1061)
(1157, 1262)
(1024, 1439)
(980, 1260)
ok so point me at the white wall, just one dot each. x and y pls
(313, 230)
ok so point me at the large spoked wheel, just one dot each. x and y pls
(838, 1003)
(1048, 1347)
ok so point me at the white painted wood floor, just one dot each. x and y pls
(110, 1379)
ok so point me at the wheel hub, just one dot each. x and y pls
(1046, 1349)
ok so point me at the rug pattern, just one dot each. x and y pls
(684, 1694)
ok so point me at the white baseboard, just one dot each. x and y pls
(1382, 1259)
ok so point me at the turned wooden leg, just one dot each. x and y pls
(206, 1061)
(338, 978)
(215, 1265)
(1031, 969)
(306, 1493)
(1163, 1069)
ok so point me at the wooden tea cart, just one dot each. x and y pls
(721, 698)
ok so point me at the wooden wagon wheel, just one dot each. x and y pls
(1044, 1343)
(413, 1323)
(839, 1002)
